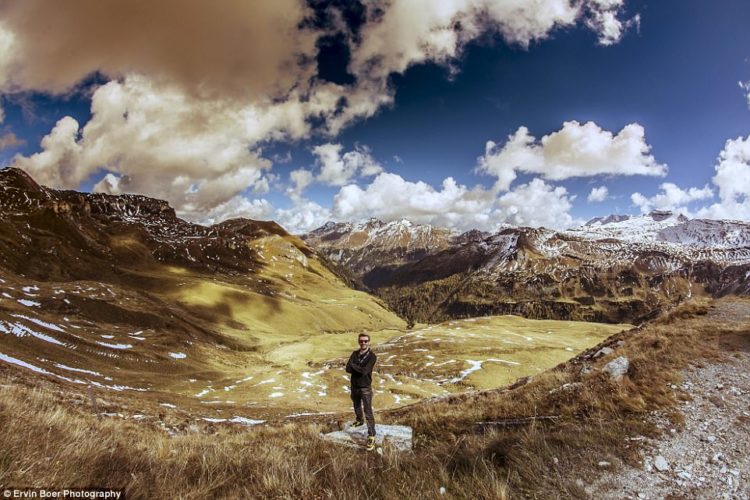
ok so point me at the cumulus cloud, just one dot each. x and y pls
(236, 48)
(229, 48)
(574, 151)
(196, 154)
(337, 169)
(238, 206)
(198, 87)
(672, 198)
(603, 19)
(537, 204)
(732, 172)
(282, 159)
(390, 197)
(263, 185)
(733, 182)
(301, 178)
(400, 33)
(303, 216)
(57, 164)
(598, 194)
(110, 184)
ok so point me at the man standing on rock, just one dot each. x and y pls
(360, 365)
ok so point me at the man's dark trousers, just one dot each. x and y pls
(362, 397)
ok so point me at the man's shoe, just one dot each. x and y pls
(370, 443)
(357, 423)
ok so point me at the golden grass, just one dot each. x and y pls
(47, 441)
(48, 445)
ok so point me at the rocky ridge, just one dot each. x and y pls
(74, 229)
(371, 248)
(619, 268)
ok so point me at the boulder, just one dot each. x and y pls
(604, 351)
(398, 437)
(617, 368)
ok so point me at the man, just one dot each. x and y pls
(360, 365)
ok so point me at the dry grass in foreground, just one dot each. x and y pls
(48, 443)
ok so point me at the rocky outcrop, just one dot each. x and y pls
(52, 234)
(617, 368)
(398, 437)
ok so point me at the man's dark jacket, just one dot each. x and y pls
(360, 366)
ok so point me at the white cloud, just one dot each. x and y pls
(603, 19)
(574, 151)
(390, 197)
(282, 159)
(238, 206)
(401, 33)
(733, 182)
(672, 198)
(733, 170)
(110, 184)
(253, 54)
(303, 217)
(537, 204)
(745, 86)
(598, 194)
(263, 185)
(196, 154)
(301, 178)
(337, 169)
(57, 164)
(8, 139)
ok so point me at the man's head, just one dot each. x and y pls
(364, 341)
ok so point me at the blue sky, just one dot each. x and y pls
(380, 110)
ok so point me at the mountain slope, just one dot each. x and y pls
(117, 292)
(373, 250)
(614, 269)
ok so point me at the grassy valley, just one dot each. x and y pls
(174, 454)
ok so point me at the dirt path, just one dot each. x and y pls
(710, 456)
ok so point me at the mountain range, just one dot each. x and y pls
(615, 269)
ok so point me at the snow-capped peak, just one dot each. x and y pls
(630, 228)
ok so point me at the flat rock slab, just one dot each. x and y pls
(398, 437)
